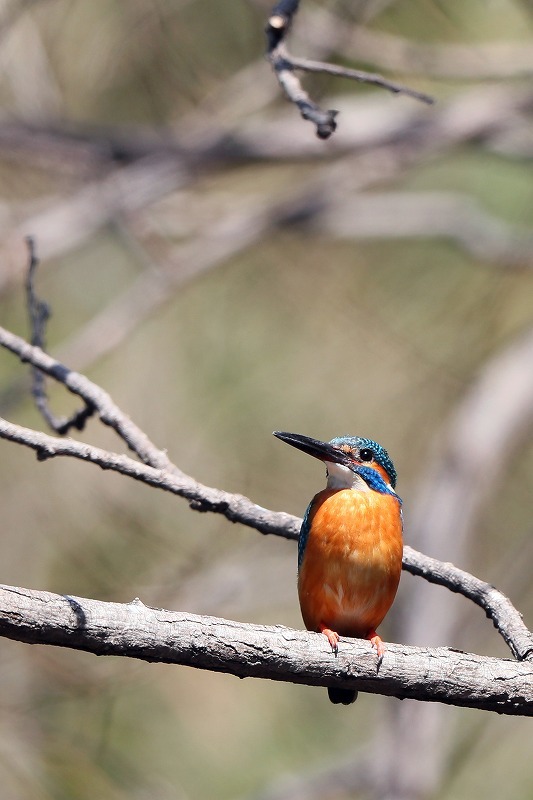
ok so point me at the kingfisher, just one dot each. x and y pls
(350, 545)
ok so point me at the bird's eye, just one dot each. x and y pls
(366, 454)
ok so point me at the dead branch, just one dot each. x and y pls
(371, 78)
(158, 471)
(81, 386)
(274, 652)
(234, 507)
(285, 65)
(39, 313)
(507, 620)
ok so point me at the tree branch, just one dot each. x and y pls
(370, 78)
(39, 314)
(274, 652)
(164, 475)
(235, 507)
(506, 619)
(94, 395)
(284, 66)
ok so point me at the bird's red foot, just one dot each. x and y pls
(332, 637)
(377, 642)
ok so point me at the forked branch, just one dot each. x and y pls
(39, 313)
(158, 471)
(285, 67)
(244, 650)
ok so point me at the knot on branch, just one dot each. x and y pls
(43, 453)
(203, 505)
(324, 121)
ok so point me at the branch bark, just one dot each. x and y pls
(158, 471)
(285, 66)
(235, 507)
(93, 395)
(506, 619)
(274, 652)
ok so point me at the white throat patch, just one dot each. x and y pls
(341, 477)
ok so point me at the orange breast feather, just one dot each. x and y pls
(352, 561)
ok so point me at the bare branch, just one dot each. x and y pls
(273, 652)
(78, 384)
(507, 620)
(236, 508)
(39, 313)
(284, 66)
(324, 121)
(371, 78)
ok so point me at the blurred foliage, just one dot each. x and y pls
(297, 332)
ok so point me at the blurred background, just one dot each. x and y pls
(223, 273)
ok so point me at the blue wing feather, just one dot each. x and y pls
(304, 534)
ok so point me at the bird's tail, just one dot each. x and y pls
(344, 696)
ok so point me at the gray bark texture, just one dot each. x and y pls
(275, 652)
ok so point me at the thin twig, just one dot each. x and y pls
(324, 121)
(39, 314)
(284, 66)
(372, 78)
(78, 384)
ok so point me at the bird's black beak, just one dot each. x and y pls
(314, 447)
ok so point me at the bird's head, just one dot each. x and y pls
(351, 461)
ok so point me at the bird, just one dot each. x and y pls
(350, 545)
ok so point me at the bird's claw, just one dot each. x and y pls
(377, 642)
(332, 637)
